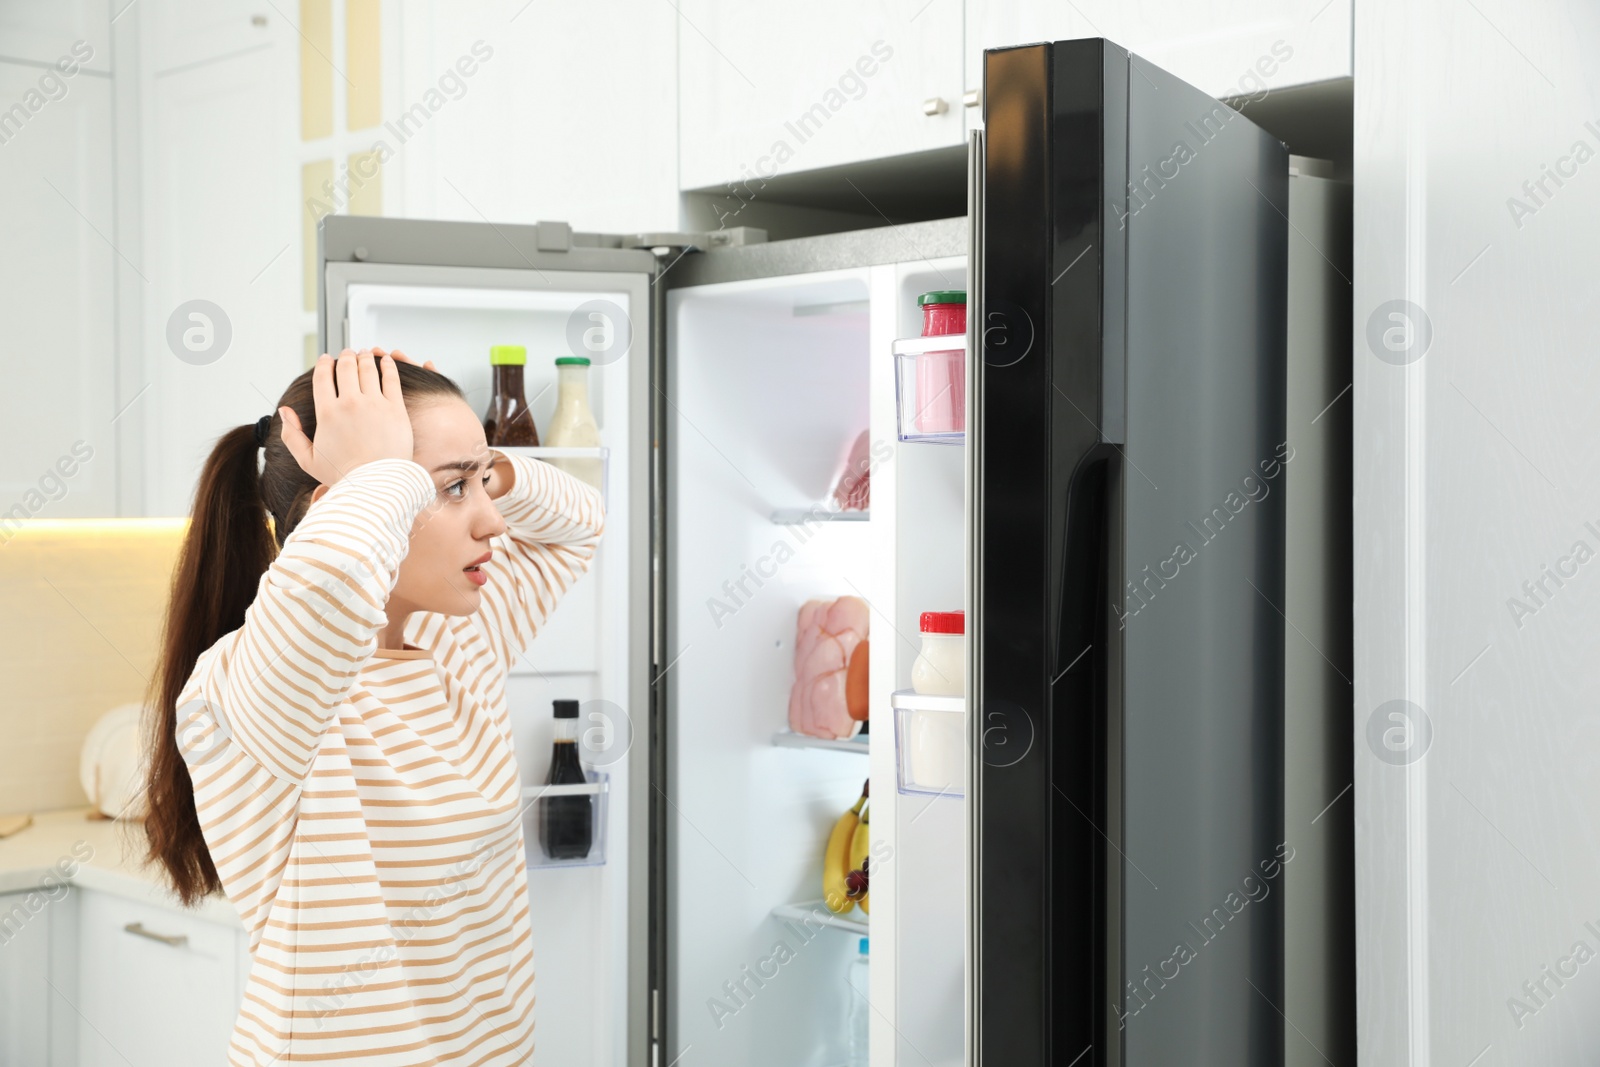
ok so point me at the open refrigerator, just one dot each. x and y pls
(729, 378)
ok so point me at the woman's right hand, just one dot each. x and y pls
(359, 419)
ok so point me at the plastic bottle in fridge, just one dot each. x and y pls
(860, 1007)
(573, 424)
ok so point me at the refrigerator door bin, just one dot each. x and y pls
(560, 805)
(930, 741)
(930, 382)
(544, 452)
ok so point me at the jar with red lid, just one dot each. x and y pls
(940, 668)
(942, 375)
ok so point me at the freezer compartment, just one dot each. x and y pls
(930, 382)
(930, 740)
(565, 825)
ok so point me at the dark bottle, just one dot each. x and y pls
(566, 824)
(509, 420)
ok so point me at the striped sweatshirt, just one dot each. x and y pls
(363, 806)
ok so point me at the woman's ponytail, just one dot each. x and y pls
(228, 548)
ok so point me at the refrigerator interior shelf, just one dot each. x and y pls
(930, 385)
(801, 516)
(815, 911)
(930, 741)
(790, 739)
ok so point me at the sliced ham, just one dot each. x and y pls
(825, 638)
(853, 492)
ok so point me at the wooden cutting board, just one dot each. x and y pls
(10, 824)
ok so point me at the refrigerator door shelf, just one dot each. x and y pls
(820, 513)
(930, 383)
(930, 735)
(790, 739)
(602, 453)
(535, 797)
(816, 912)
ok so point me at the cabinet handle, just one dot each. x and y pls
(934, 105)
(972, 98)
(175, 940)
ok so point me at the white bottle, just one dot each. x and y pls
(940, 668)
(573, 425)
(860, 1008)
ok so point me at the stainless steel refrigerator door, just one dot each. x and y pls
(1127, 777)
(547, 258)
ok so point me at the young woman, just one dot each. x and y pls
(331, 745)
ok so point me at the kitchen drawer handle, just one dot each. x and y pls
(972, 98)
(934, 105)
(175, 940)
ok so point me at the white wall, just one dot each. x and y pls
(1474, 470)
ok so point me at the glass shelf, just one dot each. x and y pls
(939, 364)
(815, 911)
(790, 739)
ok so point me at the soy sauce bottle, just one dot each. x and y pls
(566, 824)
(509, 421)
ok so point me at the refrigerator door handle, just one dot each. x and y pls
(973, 579)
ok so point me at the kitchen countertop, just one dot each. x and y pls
(114, 863)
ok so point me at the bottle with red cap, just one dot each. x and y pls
(940, 668)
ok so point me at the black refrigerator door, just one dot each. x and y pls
(1127, 819)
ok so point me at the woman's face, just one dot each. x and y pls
(450, 538)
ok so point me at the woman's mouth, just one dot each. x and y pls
(475, 572)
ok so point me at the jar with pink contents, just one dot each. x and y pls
(942, 375)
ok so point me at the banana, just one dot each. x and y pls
(858, 852)
(836, 858)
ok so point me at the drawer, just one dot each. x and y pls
(155, 986)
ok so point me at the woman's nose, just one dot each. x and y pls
(490, 523)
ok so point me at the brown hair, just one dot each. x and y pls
(229, 546)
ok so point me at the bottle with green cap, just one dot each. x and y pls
(509, 421)
(573, 424)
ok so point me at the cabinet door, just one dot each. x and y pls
(24, 966)
(222, 226)
(57, 438)
(585, 132)
(772, 88)
(155, 986)
(1226, 48)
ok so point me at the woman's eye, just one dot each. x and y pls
(456, 489)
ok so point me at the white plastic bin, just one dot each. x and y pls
(930, 743)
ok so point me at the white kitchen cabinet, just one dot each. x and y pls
(1227, 48)
(221, 225)
(773, 88)
(24, 991)
(57, 441)
(570, 113)
(43, 33)
(155, 986)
